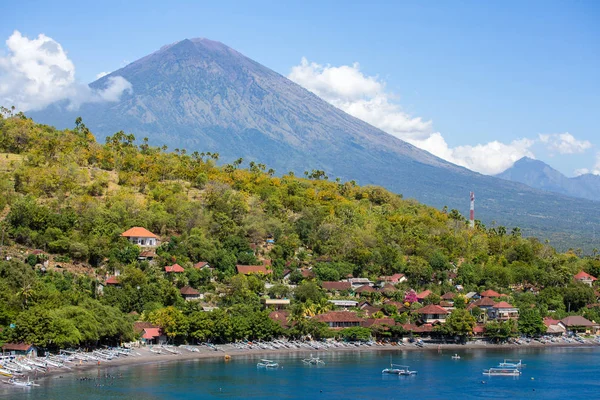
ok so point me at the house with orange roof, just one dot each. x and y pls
(490, 293)
(174, 269)
(19, 349)
(252, 269)
(554, 327)
(423, 295)
(393, 279)
(586, 278)
(141, 236)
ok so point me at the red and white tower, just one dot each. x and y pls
(472, 211)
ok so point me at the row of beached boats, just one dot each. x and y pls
(15, 367)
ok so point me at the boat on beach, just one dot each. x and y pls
(496, 371)
(264, 363)
(396, 369)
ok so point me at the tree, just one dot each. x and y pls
(531, 322)
(308, 291)
(356, 333)
(501, 331)
(171, 320)
(460, 322)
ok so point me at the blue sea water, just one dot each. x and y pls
(550, 373)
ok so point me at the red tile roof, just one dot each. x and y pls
(281, 317)
(370, 310)
(307, 273)
(432, 309)
(188, 291)
(446, 304)
(388, 287)
(584, 276)
(148, 253)
(338, 316)
(112, 281)
(367, 323)
(424, 294)
(137, 231)
(418, 329)
(393, 278)
(478, 329)
(175, 268)
(483, 302)
(16, 347)
(139, 326)
(364, 288)
(550, 321)
(201, 264)
(448, 296)
(503, 304)
(489, 293)
(252, 269)
(151, 333)
(328, 285)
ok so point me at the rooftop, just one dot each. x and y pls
(138, 231)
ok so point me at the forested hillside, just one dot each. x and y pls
(71, 197)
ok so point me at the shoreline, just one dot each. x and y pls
(147, 357)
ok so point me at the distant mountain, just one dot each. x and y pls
(202, 95)
(540, 175)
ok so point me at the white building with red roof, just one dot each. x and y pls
(503, 311)
(586, 278)
(141, 236)
(432, 313)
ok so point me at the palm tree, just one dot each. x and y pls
(322, 306)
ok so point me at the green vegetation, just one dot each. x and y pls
(72, 197)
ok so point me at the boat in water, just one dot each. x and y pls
(396, 369)
(496, 371)
(264, 363)
(313, 361)
(19, 383)
(456, 357)
(508, 363)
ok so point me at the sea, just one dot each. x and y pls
(549, 373)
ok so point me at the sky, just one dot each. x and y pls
(480, 84)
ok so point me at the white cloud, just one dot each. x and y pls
(595, 170)
(365, 97)
(564, 143)
(101, 74)
(35, 73)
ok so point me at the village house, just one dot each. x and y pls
(19, 349)
(393, 279)
(579, 324)
(423, 295)
(339, 319)
(364, 290)
(252, 269)
(490, 293)
(189, 293)
(336, 287)
(281, 317)
(503, 311)
(344, 303)
(174, 269)
(357, 282)
(586, 278)
(277, 304)
(432, 313)
(149, 333)
(449, 297)
(147, 255)
(203, 265)
(554, 327)
(141, 236)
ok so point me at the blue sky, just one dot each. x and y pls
(473, 72)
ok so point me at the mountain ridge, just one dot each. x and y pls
(539, 175)
(199, 94)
